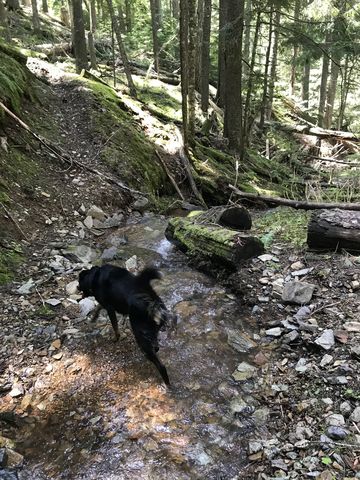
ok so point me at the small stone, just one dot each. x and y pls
(297, 265)
(254, 447)
(335, 420)
(58, 356)
(355, 285)
(301, 366)
(56, 344)
(86, 306)
(339, 380)
(345, 408)
(279, 463)
(132, 263)
(140, 204)
(326, 360)
(326, 340)
(26, 288)
(274, 332)
(15, 459)
(260, 359)
(341, 336)
(266, 257)
(239, 341)
(109, 253)
(301, 273)
(302, 313)
(355, 416)
(355, 351)
(291, 337)
(263, 299)
(352, 326)
(297, 292)
(244, 371)
(3, 457)
(337, 433)
(72, 287)
(96, 212)
(17, 390)
(88, 222)
(54, 302)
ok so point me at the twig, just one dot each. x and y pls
(354, 446)
(171, 178)
(317, 310)
(14, 221)
(41, 298)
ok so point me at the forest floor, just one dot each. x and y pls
(261, 389)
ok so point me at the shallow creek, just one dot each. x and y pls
(107, 414)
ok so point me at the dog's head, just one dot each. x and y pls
(86, 279)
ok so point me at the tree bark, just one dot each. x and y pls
(233, 120)
(128, 16)
(345, 86)
(35, 16)
(93, 19)
(45, 7)
(295, 51)
(220, 94)
(12, 5)
(323, 84)
(65, 17)
(198, 52)
(266, 72)
(298, 204)
(306, 82)
(4, 30)
(334, 230)
(175, 9)
(273, 66)
(122, 50)
(184, 31)
(205, 57)
(247, 35)
(210, 242)
(92, 51)
(81, 60)
(155, 25)
(191, 69)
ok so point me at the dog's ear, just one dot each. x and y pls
(86, 278)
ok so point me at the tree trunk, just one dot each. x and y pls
(334, 230)
(69, 2)
(65, 17)
(93, 20)
(128, 16)
(220, 94)
(233, 74)
(184, 32)
(4, 27)
(211, 242)
(35, 16)
(199, 45)
(122, 50)
(273, 65)
(247, 35)
(155, 25)
(266, 72)
(81, 60)
(323, 84)
(175, 9)
(295, 51)
(345, 85)
(45, 7)
(247, 110)
(191, 69)
(12, 5)
(121, 17)
(92, 51)
(205, 57)
(306, 82)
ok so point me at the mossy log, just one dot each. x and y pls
(235, 217)
(227, 247)
(334, 230)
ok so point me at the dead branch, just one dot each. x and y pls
(298, 204)
(171, 178)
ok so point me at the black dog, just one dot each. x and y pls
(118, 290)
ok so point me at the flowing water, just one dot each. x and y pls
(106, 414)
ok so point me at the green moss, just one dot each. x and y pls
(285, 224)
(10, 259)
(128, 151)
(161, 100)
(13, 81)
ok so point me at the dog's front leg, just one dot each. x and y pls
(96, 313)
(114, 323)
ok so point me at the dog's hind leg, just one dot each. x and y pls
(151, 355)
(96, 314)
(114, 322)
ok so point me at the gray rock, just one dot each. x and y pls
(109, 253)
(72, 287)
(279, 463)
(3, 457)
(355, 416)
(141, 203)
(339, 380)
(352, 326)
(82, 253)
(132, 263)
(302, 272)
(244, 371)
(355, 351)
(302, 313)
(326, 442)
(240, 342)
(254, 447)
(238, 405)
(17, 390)
(335, 420)
(326, 360)
(298, 292)
(291, 337)
(54, 302)
(89, 222)
(114, 221)
(345, 408)
(8, 475)
(86, 306)
(326, 340)
(336, 433)
(96, 212)
(26, 288)
(266, 257)
(274, 332)
(301, 366)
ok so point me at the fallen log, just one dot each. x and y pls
(334, 230)
(235, 217)
(211, 242)
(56, 49)
(298, 204)
(315, 131)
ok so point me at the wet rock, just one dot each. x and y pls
(335, 420)
(297, 292)
(96, 212)
(355, 416)
(3, 457)
(240, 342)
(15, 459)
(244, 371)
(140, 204)
(274, 332)
(336, 433)
(326, 340)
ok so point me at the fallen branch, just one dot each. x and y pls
(14, 221)
(335, 160)
(298, 204)
(171, 178)
(64, 157)
(315, 131)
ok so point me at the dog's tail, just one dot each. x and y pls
(148, 274)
